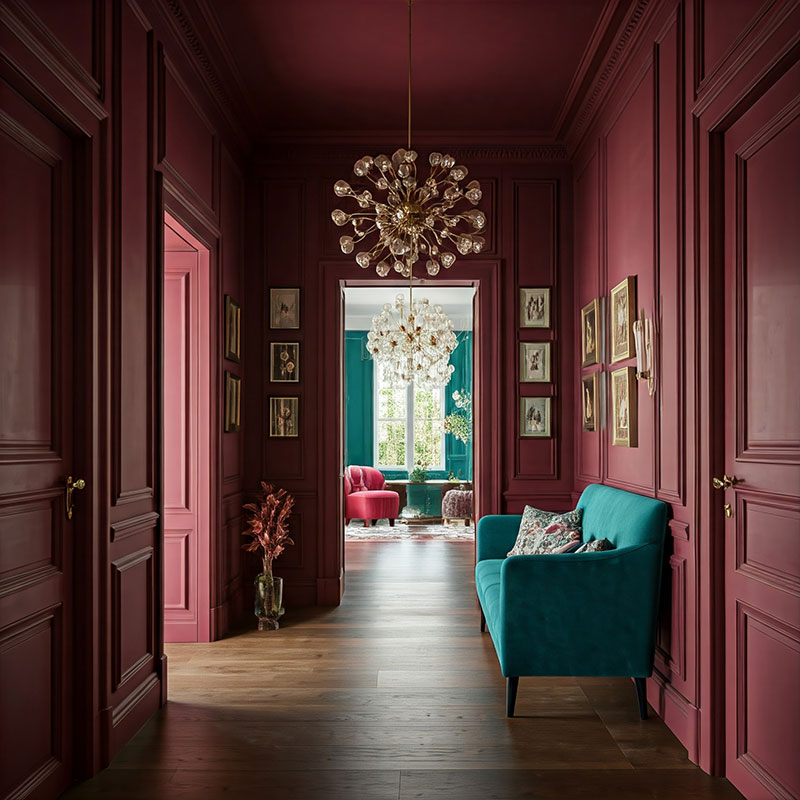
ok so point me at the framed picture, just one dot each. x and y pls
(284, 362)
(233, 329)
(534, 362)
(624, 395)
(284, 308)
(589, 333)
(589, 402)
(623, 313)
(534, 308)
(535, 416)
(233, 402)
(283, 416)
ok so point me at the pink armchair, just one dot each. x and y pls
(366, 498)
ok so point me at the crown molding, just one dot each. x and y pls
(336, 152)
(619, 51)
(197, 47)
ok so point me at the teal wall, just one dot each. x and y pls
(358, 387)
(359, 392)
(458, 454)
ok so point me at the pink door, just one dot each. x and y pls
(37, 387)
(186, 438)
(762, 445)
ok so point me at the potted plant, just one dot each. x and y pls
(269, 532)
(459, 423)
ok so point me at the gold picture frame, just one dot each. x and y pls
(589, 400)
(233, 329)
(534, 308)
(624, 407)
(284, 308)
(233, 402)
(535, 417)
(284, 362)
(622, 315)
(284, 417)
(589, 334)
(534, 362)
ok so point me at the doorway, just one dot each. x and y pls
(187, 435)
(759, 479)
(412, 442)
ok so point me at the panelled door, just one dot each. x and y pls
(36, 450)
(761, 483)
(186, 439)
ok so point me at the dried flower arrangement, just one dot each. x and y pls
(268, 524)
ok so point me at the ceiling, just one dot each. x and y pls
(338, 67)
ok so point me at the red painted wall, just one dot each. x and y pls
(647, 182)
(527, 197)
(147, 126)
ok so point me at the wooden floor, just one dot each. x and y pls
(395, 694)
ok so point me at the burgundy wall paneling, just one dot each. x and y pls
(533, 249)
(628, 222)
(94, 72)
(640, 97)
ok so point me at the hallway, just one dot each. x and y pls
(394, 694)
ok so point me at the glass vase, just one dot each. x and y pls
(268, 601)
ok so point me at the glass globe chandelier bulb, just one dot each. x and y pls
(410, 218)
(412, 343)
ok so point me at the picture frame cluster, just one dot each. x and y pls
(232, 349)
(535, 363)
(284, 362)
(623, 388)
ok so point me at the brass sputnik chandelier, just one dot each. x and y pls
(413, 218)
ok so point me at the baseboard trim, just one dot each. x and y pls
(679, 715)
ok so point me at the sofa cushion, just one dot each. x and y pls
(487, 582)
(594, 546)
(546, 532)
(356, 475)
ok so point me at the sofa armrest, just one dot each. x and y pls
(587, 613)
(496, 534)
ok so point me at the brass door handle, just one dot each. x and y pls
(69, 488)
(725, 482)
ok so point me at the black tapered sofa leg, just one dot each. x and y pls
(511, 695)
(483, 622)
(641, 696)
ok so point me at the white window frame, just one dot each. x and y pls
(409, 465)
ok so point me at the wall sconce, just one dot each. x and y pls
(644, 342)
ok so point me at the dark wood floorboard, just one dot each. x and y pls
(394, 695)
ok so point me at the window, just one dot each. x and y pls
(409, 426)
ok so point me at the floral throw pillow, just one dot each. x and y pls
(595, 546)
(547, 532)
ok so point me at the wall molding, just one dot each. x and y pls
(334, 152)
(618, 54)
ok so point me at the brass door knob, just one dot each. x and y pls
(725, 482)
(69, 488)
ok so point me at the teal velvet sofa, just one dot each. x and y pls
(576, 613)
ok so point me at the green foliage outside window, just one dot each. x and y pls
(392, 426)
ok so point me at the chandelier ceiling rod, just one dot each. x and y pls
(409, 73)
(418, 218)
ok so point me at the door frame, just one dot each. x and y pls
(202, 432)
(706, 129)
(170, 204)
(487, 402)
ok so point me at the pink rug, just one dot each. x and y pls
(402, 531)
